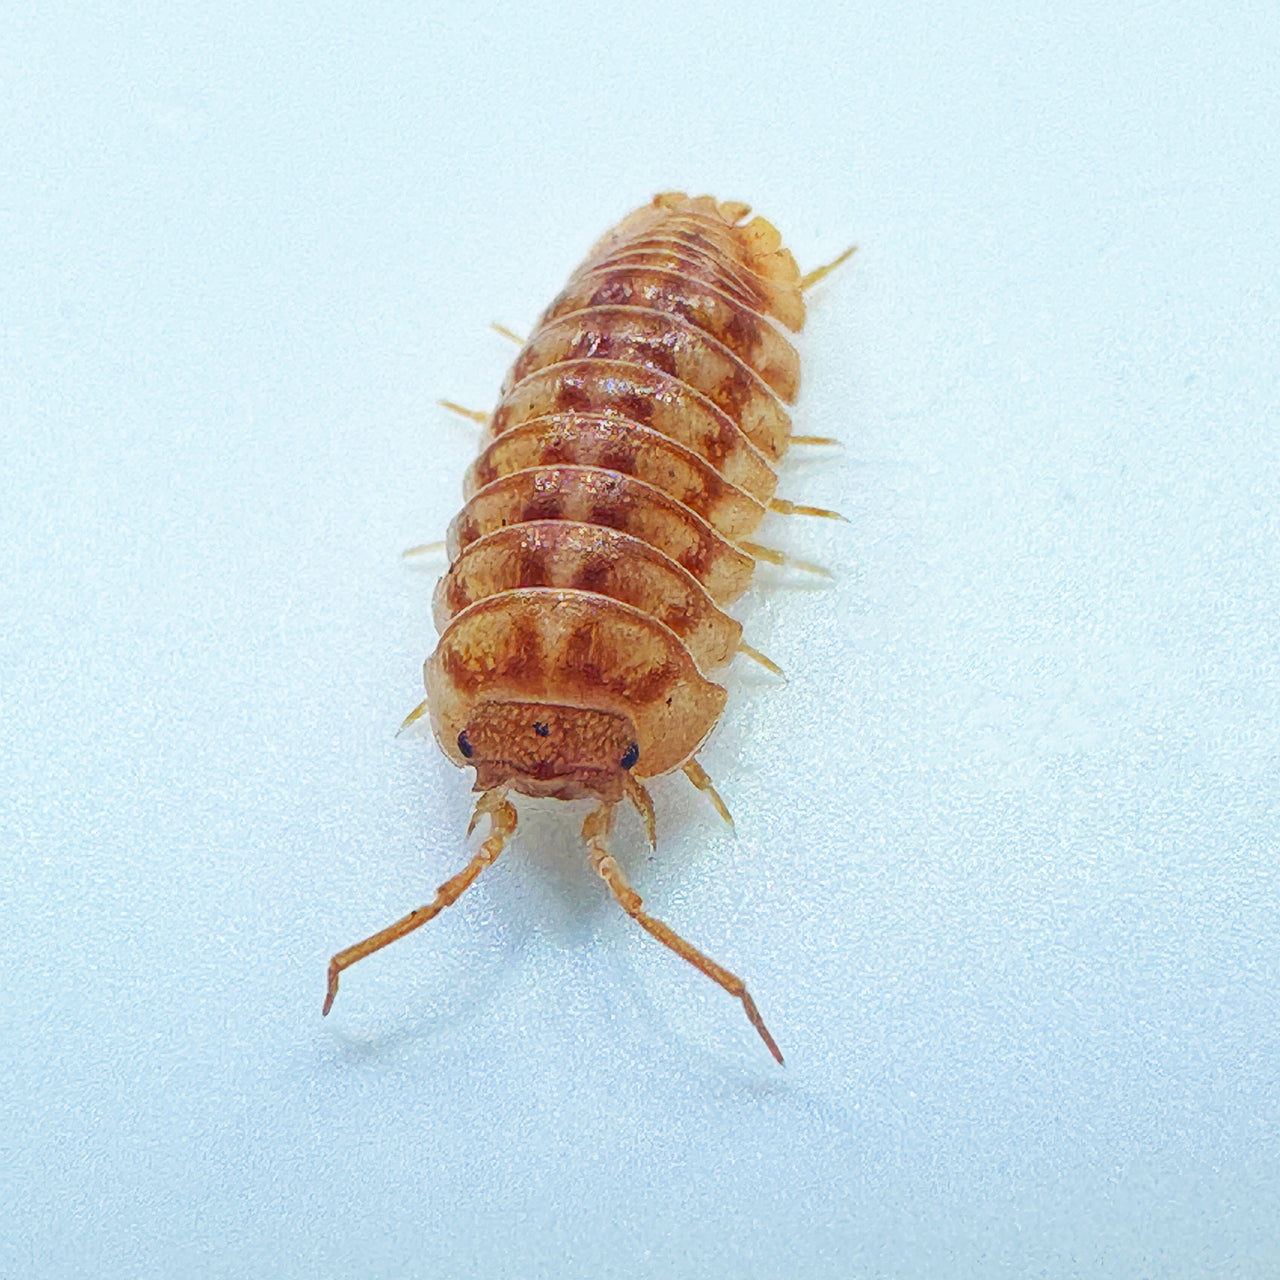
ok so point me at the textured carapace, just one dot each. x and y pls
(633, 449)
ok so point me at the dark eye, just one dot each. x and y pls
(633, 754)
(464, 744)
(541, 729)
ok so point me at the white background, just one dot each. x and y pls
(1005, 882)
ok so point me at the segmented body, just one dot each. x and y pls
(633, 450)
(635, 445)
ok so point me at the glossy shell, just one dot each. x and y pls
(635, 444)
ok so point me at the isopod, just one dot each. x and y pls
(634, 448)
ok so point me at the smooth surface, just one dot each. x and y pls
(1005, 882)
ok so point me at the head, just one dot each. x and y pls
(543, 749)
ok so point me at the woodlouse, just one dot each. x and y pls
(634, 447)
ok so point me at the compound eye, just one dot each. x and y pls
(464, 745)
(633, 754)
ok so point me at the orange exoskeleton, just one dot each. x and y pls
(633, 450)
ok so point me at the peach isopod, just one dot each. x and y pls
(633, 451)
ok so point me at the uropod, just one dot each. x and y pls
(633, 451)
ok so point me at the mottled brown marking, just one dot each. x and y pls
(592, 495)
(672, 408)
(736, 392)
(584, 653)
(461, 675)
(531, 568)
(596, 574)
(664, 344)
(571, 393)
(620, 444)
(701, 304)
(618, 452)
(542, 505)
(595, 559)
(636, 402)
(693, 254)
(690, 266)
(525, 652)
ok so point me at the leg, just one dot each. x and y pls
(773, 556)
(756, 656)
(698, 776)
(595, 831)
(476, 415)
(818, 273)
(413, 717)
(786, 508)
(502, 817)
(643, 804)
(422, 549)
(506, 333)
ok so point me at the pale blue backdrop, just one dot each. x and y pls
(1005, 880)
